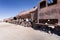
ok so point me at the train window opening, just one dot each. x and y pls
(48, 21)
(52, 2)
(43, 4)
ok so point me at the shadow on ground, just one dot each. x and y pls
(47, 29)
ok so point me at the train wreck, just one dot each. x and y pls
(46, 14)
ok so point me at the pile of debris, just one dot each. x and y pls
(14, 20)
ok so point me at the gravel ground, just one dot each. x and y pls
(15, 32)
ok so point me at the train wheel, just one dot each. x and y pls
(35, 26)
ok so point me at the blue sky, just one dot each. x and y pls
(10, 8)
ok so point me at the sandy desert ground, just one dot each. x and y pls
(15, 32)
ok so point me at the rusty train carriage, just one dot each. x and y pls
(47, 13)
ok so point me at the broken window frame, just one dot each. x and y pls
(52, 2)
(42, 4)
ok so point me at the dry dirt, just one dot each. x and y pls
(15, 32)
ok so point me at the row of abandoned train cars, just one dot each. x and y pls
(46, 14)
